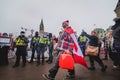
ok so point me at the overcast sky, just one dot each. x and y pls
(82, 14)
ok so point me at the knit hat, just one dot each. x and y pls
(66, 22)
(5, 33)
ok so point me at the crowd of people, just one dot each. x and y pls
(90, 45)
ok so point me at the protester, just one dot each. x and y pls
(21, 44)
(93, 41)
(116, 42)
(4, 52)
(68, 43)
(106, 40)
(99, 44)
(5, 34)
(12, 40)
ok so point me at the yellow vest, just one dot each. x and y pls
(43, 40)
(82, 39)
(35, 39)
(19, 42)
(49, 42)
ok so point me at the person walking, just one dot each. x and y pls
(65, 43)
(93, 41)
(105, 40)
(21, 44)
(116, 42)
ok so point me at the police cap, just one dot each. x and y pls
(22, 32)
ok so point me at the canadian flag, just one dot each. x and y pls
(78, 56)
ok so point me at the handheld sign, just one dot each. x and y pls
(5, 41)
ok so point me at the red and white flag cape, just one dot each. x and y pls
(78, 56)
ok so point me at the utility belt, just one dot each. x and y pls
(82, 43)
(42, 44)
(21, 46)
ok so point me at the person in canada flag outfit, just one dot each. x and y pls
(66, 43)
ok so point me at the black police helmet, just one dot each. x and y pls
(22, 32)
(36, 33)
(50, 35)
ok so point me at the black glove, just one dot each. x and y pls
(83, 33)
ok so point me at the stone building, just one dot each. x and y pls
(42, 31)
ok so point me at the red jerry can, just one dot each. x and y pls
(66, 61)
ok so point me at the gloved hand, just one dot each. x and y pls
(83, 33)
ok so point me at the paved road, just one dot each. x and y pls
(33, 72)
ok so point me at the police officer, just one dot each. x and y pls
(82, 43)
(43, 47)
(34, 45)
(21, 44)
(50, 47)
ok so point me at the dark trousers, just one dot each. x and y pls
(21, 51)
(117, 59)
(99, 50)
(33, 53)
(115, 56)
(4, 55)
(106, 52)
(83, 47)
(97, 59)
(50, 53)
(53, 71)
(41, 50)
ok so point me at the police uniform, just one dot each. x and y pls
(50, 47)
(42, 45)
(34, 45)
(82, 43)
(21, 43)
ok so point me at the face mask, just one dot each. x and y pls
(22, 34)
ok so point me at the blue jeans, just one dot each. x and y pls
(83, 47)
(40, 50)
(50, 53)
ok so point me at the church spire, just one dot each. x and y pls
(41, 29)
